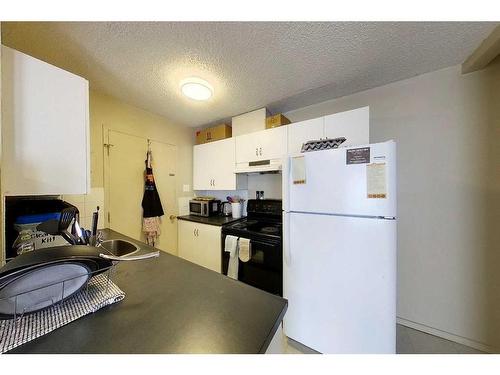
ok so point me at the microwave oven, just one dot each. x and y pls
(204, 207)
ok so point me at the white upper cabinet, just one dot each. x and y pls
(213, 167)
(353, 125)
(202, 180)
(45, 128)
(262, 145)
(216, 162)
(301, 132)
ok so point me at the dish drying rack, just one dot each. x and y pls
(95, 286)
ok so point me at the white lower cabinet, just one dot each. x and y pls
(200, 244)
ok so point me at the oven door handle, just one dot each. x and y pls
(269, 244)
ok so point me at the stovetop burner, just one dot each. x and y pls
(270, 230)
(263, 221)
(243, 224)
(263, 227)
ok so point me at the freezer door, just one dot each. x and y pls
(340, 282)
(357, 180)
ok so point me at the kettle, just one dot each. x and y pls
(225, 208)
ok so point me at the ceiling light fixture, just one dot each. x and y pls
(196, 88)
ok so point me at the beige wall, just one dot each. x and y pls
(447, 128)
(110, 113)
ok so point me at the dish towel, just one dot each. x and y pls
(245, 249)
(231, 246)
(100, 292)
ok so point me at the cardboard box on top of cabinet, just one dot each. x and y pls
(214, 133)
(276, 120)
(250, 122)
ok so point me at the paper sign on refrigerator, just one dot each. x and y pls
(376, 180)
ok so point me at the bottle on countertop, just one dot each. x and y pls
(259, 194)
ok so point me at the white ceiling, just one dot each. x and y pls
(280, 65)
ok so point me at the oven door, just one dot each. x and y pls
(264, 270)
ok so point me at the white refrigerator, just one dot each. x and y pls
(340, 249)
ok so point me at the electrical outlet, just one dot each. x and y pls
(186, 188)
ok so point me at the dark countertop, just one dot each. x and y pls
(211, 220)
(171, 306)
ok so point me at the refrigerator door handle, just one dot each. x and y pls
(287, 255)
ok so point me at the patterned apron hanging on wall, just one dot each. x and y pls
(152, 209)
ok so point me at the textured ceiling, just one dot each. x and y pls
(280, 65)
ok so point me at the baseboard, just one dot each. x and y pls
(448, 336)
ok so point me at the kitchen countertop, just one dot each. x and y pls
(210, 220)
(171, 306)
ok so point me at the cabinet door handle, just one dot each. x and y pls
(197, 232)
(194, 232)
(214, 181)
(260, 151)
(256, 151)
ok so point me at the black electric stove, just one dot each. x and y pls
(263, 227)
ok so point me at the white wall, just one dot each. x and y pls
(270, 183)
(110, 113)
(447, 128)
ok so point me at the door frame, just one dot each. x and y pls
(106, 168)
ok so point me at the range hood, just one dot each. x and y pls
(260, 166)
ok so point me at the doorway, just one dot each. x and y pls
(124, 186)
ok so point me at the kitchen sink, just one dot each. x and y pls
(119, 247)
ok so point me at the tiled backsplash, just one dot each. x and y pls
(269, 183)
(183, 206)
(87, 204)
(223, 194)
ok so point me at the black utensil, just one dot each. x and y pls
(30, 295)
(67, 216)
(86, 236)
(40, 275)
(52, 254)
(95, 219)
